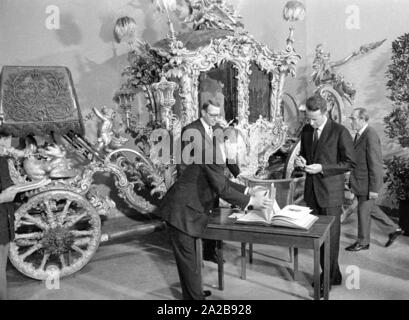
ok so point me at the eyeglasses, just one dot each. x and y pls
(213, 115)
(353, 118)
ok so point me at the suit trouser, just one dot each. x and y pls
(4, 250)
(367, 209)
(184, 248)
(335, 234)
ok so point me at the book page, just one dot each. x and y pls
(294, 216)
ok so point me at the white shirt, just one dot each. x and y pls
(360, 132)
(209, 132)
(208, 129)
(321, 127)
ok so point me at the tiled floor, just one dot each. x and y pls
(144, 268)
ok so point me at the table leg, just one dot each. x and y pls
(243, 261)
(220, 264)
(317, 283)
(295, 252)
(250, 252)
(326, 267)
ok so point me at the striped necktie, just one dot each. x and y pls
(315, 140)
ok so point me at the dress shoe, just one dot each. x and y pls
(357, 247)
(213, 258)
(335, 282)
(393, 236)
(207, 293)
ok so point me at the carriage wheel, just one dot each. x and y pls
(289, 112)
(289, 164)
(56, 233)
(335, 104)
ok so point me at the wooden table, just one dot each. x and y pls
(221, 227)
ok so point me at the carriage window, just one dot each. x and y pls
(219, 84)
(259, 93)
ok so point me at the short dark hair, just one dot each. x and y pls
(362, 113)
(316, 102)
(208, 103)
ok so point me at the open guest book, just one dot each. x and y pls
(291, 216)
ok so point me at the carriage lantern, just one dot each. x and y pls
(164, 93)
(293, 11)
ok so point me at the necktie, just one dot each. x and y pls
(315, 137)
(314, 140)
(356, 138)
(210, 131)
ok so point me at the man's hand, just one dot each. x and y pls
(7, 195)
(313, 168)
(262, 202)
(373, 195)
(300, 161)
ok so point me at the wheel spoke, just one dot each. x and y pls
(80, 233)
(25, 242)
(79, 250)
(64, 212)
(63, 264)
(50, 216)
(82, 242)
(31, 251)
(44, 261)
(37, 221)
(32, 235)
(75, 220)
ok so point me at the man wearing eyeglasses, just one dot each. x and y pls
(208, 144)
(326, 154)
(189, 202)
(366, 181)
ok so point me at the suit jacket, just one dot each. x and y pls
(368, 173)
(335, 153)
(6, 209)
(188, 203)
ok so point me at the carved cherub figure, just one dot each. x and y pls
(105, 132)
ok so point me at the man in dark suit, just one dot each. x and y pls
(6, 215)
(188, 203)
(366, 181)
(209, 146)
(326, 154)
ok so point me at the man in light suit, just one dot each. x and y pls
(366, 181)
(189, 202)
(326, 154)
